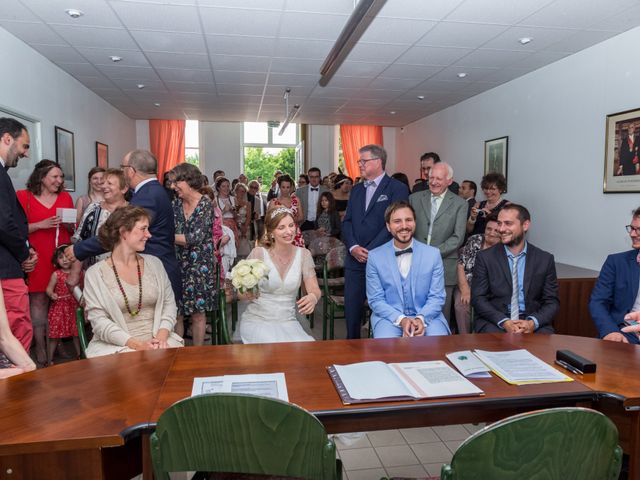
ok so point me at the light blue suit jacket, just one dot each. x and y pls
(384, 288)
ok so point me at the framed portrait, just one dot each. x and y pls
(622, 153)
(496, 155)
(102, 155)
(65, 157)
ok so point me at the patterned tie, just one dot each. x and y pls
(515, 305)
(368, 183)
(434, 212)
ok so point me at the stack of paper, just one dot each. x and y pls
(519, 367)
(272, 385)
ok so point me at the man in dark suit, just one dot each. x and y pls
(616, 291)
(309, 195)
(428, 160)
(274, 191)
(514, 287)
(468, 191)
(140, 170)
(16, 257)
(259, 208)
(364, 227)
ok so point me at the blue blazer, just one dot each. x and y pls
(14, 231)
(153, 198)
(426, 277)
(368, 228)
(615, 293)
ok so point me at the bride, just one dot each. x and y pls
(271, 316)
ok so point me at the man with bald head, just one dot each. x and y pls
(441, 218)
(140, 169)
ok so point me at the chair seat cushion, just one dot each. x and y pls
(332, 282)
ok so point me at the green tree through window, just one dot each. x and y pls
(261, 163)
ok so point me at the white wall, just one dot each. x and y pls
(323, 147)
(555, 120)
(142, 134)
(32, 86)
(221, 148)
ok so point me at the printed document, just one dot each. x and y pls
(520, 367)
(468, 364)
(272, 385)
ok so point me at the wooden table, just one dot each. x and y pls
(91, 418)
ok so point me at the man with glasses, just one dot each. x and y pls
(364, 228)
(309, 195)
(616, 292)
(428, 160)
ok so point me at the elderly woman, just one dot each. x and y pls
(40, 201)
(94, 192)
(129, 300)
(493, 186)
(114, 189)
(13, 358)
(286, 198)
(193, 216)
(466, 262)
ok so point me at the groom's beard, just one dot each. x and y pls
(401, 239)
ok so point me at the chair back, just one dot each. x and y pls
(242, 434)
(322, 245)
(310, 235)
(552, 444)
(335, 258)
(82, 334)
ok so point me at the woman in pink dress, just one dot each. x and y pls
(40, 200)
(288, 199)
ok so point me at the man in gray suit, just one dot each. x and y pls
(441, 217)
(309, 195)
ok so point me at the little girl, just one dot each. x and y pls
(62, 310)
(328, 218)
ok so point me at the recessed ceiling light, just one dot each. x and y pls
(420, 97)
(115, 58)
(156, 104)
(141, 86)
(74, 12)
(462, 75)
(392, 112)
(525, 40)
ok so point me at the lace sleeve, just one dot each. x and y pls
(256, 254)
(308, 267)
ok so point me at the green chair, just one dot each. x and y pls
(332, 288)
(553, 444)
(242, 434)
(82, 334)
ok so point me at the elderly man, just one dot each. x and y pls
(514, 287)
(405, 281)
(441, 217)
(140, 170)
(616, 294)
(16, 257)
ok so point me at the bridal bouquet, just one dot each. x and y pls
(246, 275)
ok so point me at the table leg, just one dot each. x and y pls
(634, 445)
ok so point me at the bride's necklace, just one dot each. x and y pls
(282, 260)
(124, 295)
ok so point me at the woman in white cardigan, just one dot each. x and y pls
(129, 300)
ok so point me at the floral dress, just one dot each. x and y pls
(196, 258)
(62, 312)
(298, 241)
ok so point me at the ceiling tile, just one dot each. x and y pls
(506, 74)
(96, 14)
(96, 82)
(15, 10)
(240, 62)
(349, 82)
(505, 12)
(293, 80)
(576, 13)
(148, 16)
(541, 38)
(33, 32)
(421, 72)
(236, 21)
(96, 37)
(239, 89)
(312, 25)
(326, 6)
(302, 48)
(579, 41)
(258, 4)
(190, 61)
(538, 59)
(433, 55)
(170, 42)
(83, 69)
(491, 58)
(99, 56)
(59, 54)
(404, 83)
(124, 71)
(193, 87)
(429, 10)
(239, 45)
(405, 31)
(184, 75)
(376, 52)
(361, 69)
(469, 35)
(619, 22)
(245, 78)
(295, 65)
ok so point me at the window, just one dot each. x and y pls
(265, 151)
(192, 142)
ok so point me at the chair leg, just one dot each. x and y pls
(234, 314)
(332, 321)
(324, 322)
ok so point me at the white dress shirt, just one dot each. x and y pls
(312, 202)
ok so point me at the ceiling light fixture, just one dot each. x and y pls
(74, 12)
(141, 86)
(525, 40)
(392, 112)
(156, 104)
(420, 97)
(462, 75)
(290, 114)
(362, 16)
(115, 58)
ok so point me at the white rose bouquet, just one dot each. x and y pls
(247, 274)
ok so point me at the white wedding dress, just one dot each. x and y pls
(273, 316)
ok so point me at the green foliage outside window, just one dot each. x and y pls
(257, 163)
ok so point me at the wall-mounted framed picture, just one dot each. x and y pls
(496, 156)
(65, 157)
(622, 153)
(102, 155)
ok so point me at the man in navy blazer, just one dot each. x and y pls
(616, 291)
(364, 229)
(405, 281)
(140, 169)
(500, 308)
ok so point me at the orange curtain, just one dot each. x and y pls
(166, 140)
(353, 138)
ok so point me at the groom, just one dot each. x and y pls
(405, 281)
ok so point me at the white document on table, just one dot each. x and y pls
(272, 385)
(377, 380)
(468, 364)
(520, 367)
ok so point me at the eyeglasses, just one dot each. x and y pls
(631, 228)
(363, 161)
(122, 167)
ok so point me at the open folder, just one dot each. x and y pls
(378, 381)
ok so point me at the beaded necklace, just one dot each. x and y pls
(124, 295)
